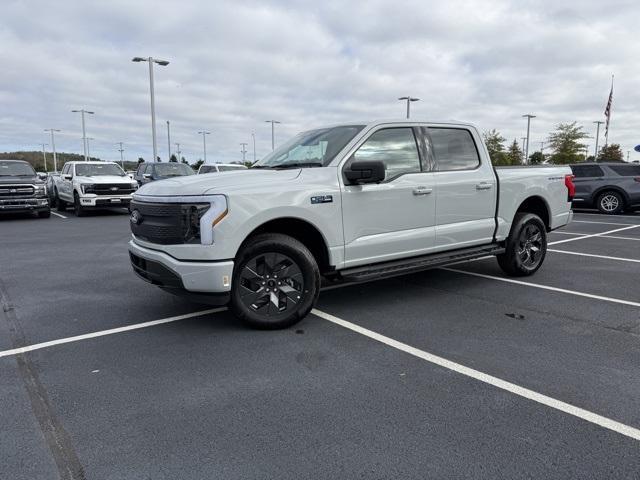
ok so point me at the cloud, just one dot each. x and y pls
(235, 64)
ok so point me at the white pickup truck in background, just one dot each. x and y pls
(91, 185)
(346, 203)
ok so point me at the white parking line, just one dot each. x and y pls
(603, 236)
(591, 417)
(587, 215)
(111, 331)
(628, 227)
(605, 257)
(600, 223)
(58, 215)
(545, 287)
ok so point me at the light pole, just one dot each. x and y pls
(204, 134)
(523, 140)
(273, 135)
(409, 99)
(598, 123)
(253, 135)
(528, 116)
(44, 155)
(244, 152)
(169, 139)
(163, 63)
(53, 147)
(88, 149)
(84, 134)
(178, 152)
(121, 150)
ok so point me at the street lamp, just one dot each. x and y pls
(523, 140)
(253, 135)
(244, 152)
(595, 155)
(204, 133)
(84, 134)
(273, 136)
(528, 116)
(178, 151)
(44, 155)
(409, 99)
(163, 63)
(169, 139)
(53, 147)
(88, 149)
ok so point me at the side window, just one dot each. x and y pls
(587, 171)
(626, 170)
(454, 149)
(395, 147)
(65, 169)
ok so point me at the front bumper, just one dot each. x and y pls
(24, 204)
(208, 282)
(105, 201)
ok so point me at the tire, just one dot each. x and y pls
(610, 202)
(44, 214)
(526, 246)
(259, 297)
(77, 208)
(61, 205)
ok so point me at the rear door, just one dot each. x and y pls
(466, 189)
(395, 218)
(587, 179)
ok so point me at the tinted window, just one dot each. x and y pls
(97, 170)
(173, 169)
(454, 149)
(587, 171)
(226, 168)
(626, 170)
(207, 169)
(395, 147)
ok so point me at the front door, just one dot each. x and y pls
(395, 218)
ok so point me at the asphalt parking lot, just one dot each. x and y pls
(450, 373)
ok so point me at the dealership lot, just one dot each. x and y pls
(399, 378)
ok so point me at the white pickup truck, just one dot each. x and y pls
(347, 203)
(91, 185)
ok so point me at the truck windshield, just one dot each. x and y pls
(173, 169)
(96, 170)
(16, 169)
(315, 148)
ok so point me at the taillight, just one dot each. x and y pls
(568, 182)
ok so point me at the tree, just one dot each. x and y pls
(565, 143)
(536, 158)
(611, 153)
(495, 146)
(184, 161)
(514, 154)
(197, 165)
(173, 158)
(140, 160)
(158, 159)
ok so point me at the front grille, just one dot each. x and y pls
(167, 223)
(16, 191)
(110, 189)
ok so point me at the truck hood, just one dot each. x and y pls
(212, 183)
(104, 179)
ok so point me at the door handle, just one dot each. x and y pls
(422, 191)
(483, 186)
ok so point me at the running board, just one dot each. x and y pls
(416, 264)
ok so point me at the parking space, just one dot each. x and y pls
(451, 373)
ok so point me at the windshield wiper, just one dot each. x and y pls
(299, 165)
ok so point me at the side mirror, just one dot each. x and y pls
(368, 171)
(147, 176)
(67, 176)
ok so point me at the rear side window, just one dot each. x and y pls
(587, 171)
(454, 149)
(395, 147)
(626, 170)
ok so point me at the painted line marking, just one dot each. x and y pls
(605, 257)
(111, 331)
(58, 215)
(628, 227)
(593, 214)
(546, 287)
(600, 223)
(581, 413)
(603, 236)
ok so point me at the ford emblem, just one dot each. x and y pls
(136, 217)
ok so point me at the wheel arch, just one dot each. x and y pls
(538, 206)
(303, 231)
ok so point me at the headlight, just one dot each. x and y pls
(41, 189)
(87, 188)
(212, 217)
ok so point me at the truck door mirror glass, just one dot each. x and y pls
(369, 171)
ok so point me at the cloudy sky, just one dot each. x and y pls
(235, 64)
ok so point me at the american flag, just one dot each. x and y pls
(607, 112)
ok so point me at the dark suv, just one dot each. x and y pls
(148, 172)
(609, 187)
(21, 190)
